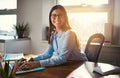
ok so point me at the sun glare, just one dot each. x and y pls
(6, 4)
(81, 2)
(85, 24)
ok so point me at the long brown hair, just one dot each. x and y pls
(52, 27)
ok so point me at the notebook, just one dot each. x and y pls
(106, 69)
(13, 56)
(20, 71)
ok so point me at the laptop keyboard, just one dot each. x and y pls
(20, 71)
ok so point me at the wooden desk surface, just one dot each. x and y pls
(86, 71)
(60, 71)
(66, 71)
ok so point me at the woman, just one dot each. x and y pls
(63, 43)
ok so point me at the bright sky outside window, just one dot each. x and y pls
(7, 20)
(81, 2)
(85, 24)
(8, 4)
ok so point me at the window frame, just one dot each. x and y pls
(8, 12)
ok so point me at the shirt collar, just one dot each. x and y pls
(59, 34)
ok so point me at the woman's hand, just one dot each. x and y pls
(31, 59)
(30, 65)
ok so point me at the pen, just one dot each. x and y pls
(0, 64)
(14, 69)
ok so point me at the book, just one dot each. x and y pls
(13, 56)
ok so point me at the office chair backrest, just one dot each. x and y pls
(94, 46)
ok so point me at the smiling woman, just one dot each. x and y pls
(63, 43)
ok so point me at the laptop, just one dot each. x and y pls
(20, 71)
(106, 69)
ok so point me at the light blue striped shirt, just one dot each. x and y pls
(62, 48)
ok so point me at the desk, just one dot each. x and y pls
(86, 71)
(62, 71)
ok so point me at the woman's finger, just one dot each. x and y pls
(24, 65)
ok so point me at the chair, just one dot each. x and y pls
(93, 47)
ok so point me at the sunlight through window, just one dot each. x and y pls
(8, 18)
(8, 4)
(81, 2)
(7, 22)
(85, 19)
(85, 24)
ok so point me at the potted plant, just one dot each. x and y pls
(20, 29)
(5, 73)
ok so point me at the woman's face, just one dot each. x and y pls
(58, 19)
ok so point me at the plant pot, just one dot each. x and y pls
(20, 34)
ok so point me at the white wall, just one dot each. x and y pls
(116, 33)
(35, 12)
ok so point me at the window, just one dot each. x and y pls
(82, 2)
(87, 17)
(8, 18)
(85, 24)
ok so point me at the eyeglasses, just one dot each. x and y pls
(55, 15)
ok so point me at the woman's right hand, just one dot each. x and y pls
(21, 61)
(29, 65)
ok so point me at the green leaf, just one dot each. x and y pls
(21, 27)
(4, 75)
(6, 67)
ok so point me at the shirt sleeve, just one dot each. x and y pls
(48, 53)
(68, 45)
